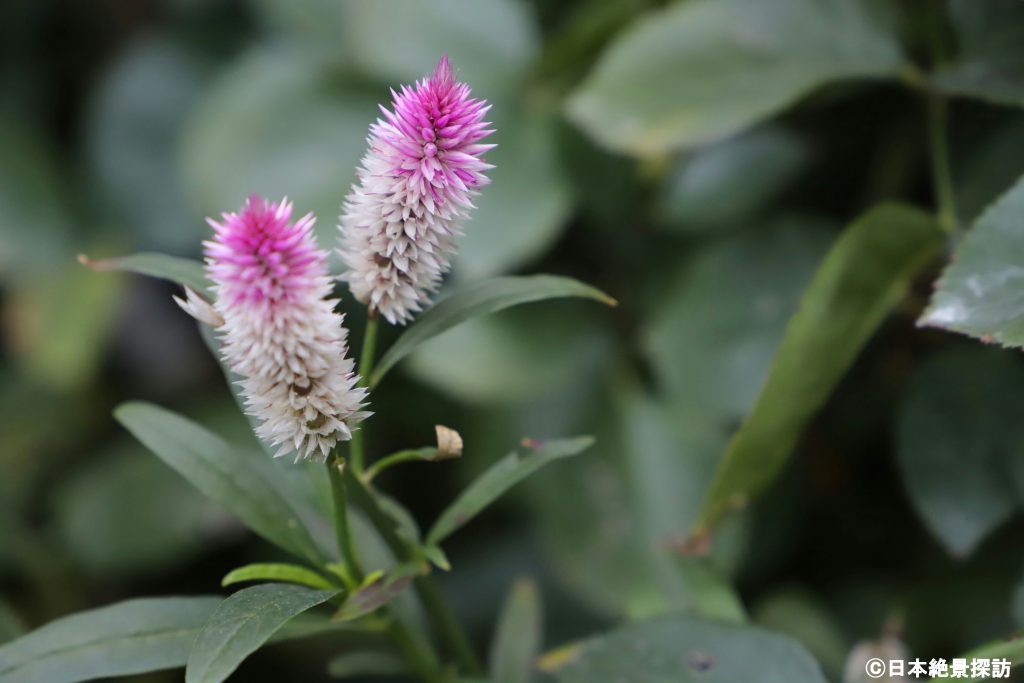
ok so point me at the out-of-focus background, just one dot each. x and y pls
(124, 122)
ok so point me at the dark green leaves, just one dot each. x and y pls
(866, 273)
(244, 622)
(989, 63)
(126, 638)
(185, 272)
(699, 71)
(981, 293)
(487, 297)
(502, 476)
(686, 650)
(959, 443)
(222, 472)
(517, 640)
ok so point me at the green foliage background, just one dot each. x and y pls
(740, 174)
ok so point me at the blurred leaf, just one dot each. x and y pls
(980, 292)
(223, 473)
(480, 299)
(377, 593)
(361, 664)
(277, 571)
(715, 329)
(699, 71)
(731, 180)
(59, 320)
(169, 521)
(35, 228)
(686, 650)
(798, 615)
(10, 623)
(133, 125)
(504, 231)
(242, 624)
(635, 496)
(959, 443)
(515, 355)
(713, 597)
(992, 166)
(489, 42)
(866, 273)
(1018, 605)
(311, 22)
(502, 476)
(990, 61)
(518, 637)
(182, 271)
(1011, 649)
(122, 639)
(276, 123)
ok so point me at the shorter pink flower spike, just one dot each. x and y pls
(413, 192)
(279, 329)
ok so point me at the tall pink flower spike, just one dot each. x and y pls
(413, 193)
(280, 330)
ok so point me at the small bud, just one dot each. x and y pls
(449, 443)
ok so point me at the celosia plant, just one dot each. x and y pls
(269, 303)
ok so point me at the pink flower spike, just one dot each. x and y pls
(413, 192)
(279, 329)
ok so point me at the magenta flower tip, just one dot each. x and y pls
(413, 193)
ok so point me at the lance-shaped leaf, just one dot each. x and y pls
(480, 299)
(119, 640)
(222, 472)
(684, 650)
(277, 571)
(699, 71)
(981, 292)
(518, 637)
(185, 272)
(502, 476)
(244, 622)
(865, 274)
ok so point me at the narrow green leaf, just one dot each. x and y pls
(277, 571)
(369, 663)
(866, 273)
(377, 593)
(981, 292)
(1010, 649)
(118, 640)
(502, 476)
(518, 637)
(651, 91)
(685, 650)
(185, 272)
(242, 624)
(480, 299)
(222, 472)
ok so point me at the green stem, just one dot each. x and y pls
(942, 178)
(342, 528)
(430, 595)
(420, 657)
(408, 455)
(366, 360)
